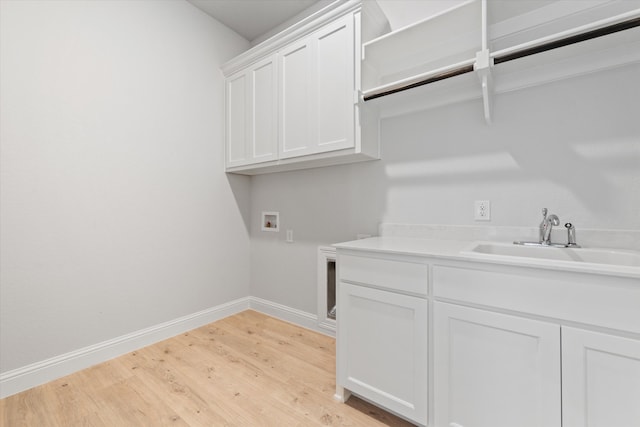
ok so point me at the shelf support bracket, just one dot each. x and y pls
(482, 67)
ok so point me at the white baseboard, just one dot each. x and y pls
(288, 314)
(29, 376)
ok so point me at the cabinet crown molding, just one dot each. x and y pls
(296, 31)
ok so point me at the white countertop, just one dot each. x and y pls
(408, 246)
(456, 250)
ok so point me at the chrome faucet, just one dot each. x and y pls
(547, 224)
(542, 225)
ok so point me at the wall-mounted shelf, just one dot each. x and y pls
(482, 47)
(512, 71)
(420, 48)
(534, 20)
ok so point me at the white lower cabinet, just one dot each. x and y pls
(493, 370)
(600, 380)
(382, 348)
(461, 344)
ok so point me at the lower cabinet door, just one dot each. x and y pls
(494, 370)
(600, 380)
(382, 348)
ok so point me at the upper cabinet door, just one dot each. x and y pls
(252, 111)
(317, 85)
(263, 125)
(237, 109)
(494, 370)
(297, 77)
(335, 86)
(600, 379)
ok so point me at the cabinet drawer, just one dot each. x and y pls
(610, 302)
(383, 273)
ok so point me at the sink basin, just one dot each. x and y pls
(588, 255)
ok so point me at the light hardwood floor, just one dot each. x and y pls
(246, 370)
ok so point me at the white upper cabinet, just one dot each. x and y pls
(298, 108)
(237, 109)
(297, 97)
(252, 113)
(335, 85)
(317, 85)
(264, 132)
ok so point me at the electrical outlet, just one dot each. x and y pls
(482, 211)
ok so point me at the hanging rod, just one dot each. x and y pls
(425, 81)
(509, 56)
(544, 47)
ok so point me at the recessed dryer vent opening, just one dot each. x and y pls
(331, 289)
(327, 288)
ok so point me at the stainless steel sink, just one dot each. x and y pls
(585, 255)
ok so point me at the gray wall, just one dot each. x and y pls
(116, 215)
(115, 211)
(572, 146)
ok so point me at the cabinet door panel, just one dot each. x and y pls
(382, 348)
(336, 85)
(493, 370)
(237, 120)
(264, 129)
(600, 379)
(296, 95)
(252, 114)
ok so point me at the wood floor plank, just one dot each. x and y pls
(244, 381)
(245, 370)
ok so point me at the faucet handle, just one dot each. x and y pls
(544, 212)
(571, 235)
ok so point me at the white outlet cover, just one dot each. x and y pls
(482, 210)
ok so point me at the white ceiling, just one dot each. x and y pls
(252, 18)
